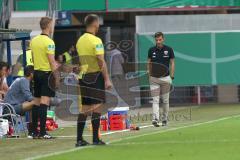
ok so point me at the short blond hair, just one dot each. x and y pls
(44, 22)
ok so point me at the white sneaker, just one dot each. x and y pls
(30, 135)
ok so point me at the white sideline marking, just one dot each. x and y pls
(88, 135)
(131, 137)
(107, 133)
(57, 153)
(173, 129)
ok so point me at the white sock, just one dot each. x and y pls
(155, 107)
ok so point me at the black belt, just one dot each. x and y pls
(42, 71)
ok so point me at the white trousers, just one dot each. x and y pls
(160, 91)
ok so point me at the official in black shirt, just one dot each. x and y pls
(161, 68)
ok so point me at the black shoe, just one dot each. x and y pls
(155, 123)
(33, 135)
(99, 142)
(45, 136)
(81, 143)
(164, 123)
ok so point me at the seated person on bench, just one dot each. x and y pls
(3, 82)
(19, 94)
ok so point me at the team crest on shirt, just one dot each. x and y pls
(51, 47)
(99, 47)
(154, 55)
(165, 54)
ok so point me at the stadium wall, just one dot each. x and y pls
(113, 5)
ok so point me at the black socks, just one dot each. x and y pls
(35, 119)
(80, 126)
(96, 125)
(43, 118)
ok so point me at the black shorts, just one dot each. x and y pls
(42, 87)
(92, 87)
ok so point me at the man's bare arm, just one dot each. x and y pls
(52, 62)
(102, 65)
(149, 66)
(172, 68)
(54, 68)
(5, 87)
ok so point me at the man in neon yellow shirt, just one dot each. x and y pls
(43, 52)
(95, 79)
(69, 55)
(18, 67)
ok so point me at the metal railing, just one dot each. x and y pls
(5, 14)
(53, 6)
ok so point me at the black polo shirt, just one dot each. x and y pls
(160, 59)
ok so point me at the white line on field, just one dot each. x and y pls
(173, 129)
(57, 153)
(131, 137)
(104, 134)
(88, 135)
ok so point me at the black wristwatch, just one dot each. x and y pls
(172, 78)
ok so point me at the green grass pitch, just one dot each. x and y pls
(212, 133)
(219, 140)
